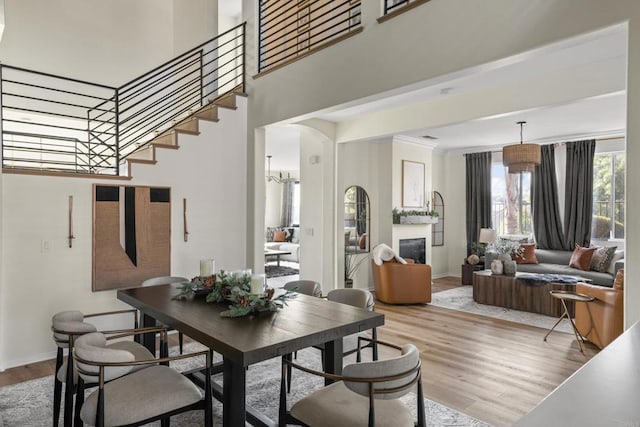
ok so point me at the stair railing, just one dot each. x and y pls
(62, 124)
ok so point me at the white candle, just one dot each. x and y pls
(257, 283)
(207, 267)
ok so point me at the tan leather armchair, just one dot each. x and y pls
(601, 320)
(397, 283)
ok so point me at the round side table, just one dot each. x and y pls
(569, 296)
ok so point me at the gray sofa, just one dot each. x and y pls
(557, 262)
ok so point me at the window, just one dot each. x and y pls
(510, 201)
(608, 196)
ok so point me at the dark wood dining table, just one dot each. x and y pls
(304, 322)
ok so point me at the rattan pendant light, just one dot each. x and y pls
(521, 157)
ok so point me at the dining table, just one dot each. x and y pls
(303, 322)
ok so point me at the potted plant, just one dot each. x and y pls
(351, 265)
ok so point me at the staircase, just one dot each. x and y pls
(168, 139)
(57, 125)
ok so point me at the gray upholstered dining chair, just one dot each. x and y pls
(129, 397)
(361, 298)
(305, 287)
(67, 326)
(367, 393)
(165, 280)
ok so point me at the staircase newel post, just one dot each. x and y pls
(117, 120)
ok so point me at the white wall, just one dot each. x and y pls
(317, 208)
(108, 42)
(208, 170)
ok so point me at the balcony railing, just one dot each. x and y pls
(291, 29)
(61, 124)
(396, 6)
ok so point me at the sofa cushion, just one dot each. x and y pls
(279, 236)
(550, 256)
(526, 254)
(581, 257)
(602, 258)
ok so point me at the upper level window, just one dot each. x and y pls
(608, 196)
(291, 29)
(510, 201)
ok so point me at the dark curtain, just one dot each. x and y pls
(478, 195)
(286, 212)
(545, 209)
(578, 206)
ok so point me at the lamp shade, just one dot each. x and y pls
(487, 235)
(521, 157)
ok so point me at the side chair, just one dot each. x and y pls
(165, 280)
(133, 392)
(305, 287)
(67, 326)
(367, 393)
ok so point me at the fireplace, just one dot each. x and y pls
(414, 249)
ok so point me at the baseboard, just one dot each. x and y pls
(440, 276)
(41, 357)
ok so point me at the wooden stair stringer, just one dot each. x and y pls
(189, 126)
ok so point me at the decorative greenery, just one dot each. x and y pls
(351, 264)
(505, 246)
(478, 248)
(397, 213)
(236, 289)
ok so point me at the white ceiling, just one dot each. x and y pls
(582, 116)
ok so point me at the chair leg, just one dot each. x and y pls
(180, 340)
(165, 422)
(289, 372)
(77, 422)
(57, 389)
(374, 335)
(68, 392)
(422, 422)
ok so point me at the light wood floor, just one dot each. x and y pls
(490, 369)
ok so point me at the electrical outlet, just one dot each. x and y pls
(45, 246)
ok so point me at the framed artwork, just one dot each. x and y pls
(412, 184)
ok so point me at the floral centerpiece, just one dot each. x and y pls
(235, 289)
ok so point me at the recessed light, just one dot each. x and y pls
(445, 90)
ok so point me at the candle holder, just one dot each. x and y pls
(258, 282)
(207, 267)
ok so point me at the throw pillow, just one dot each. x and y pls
(279, 236)
(526, 254)
(270, 231)
(581, 257)
(617, 256)
(289, 237)
(602, 258)
(618, 283)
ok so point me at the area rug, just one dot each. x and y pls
(277, 271)
(461, 299)
(30, 403)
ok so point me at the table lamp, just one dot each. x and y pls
(487, 235)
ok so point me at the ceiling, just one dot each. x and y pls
(598, 56)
